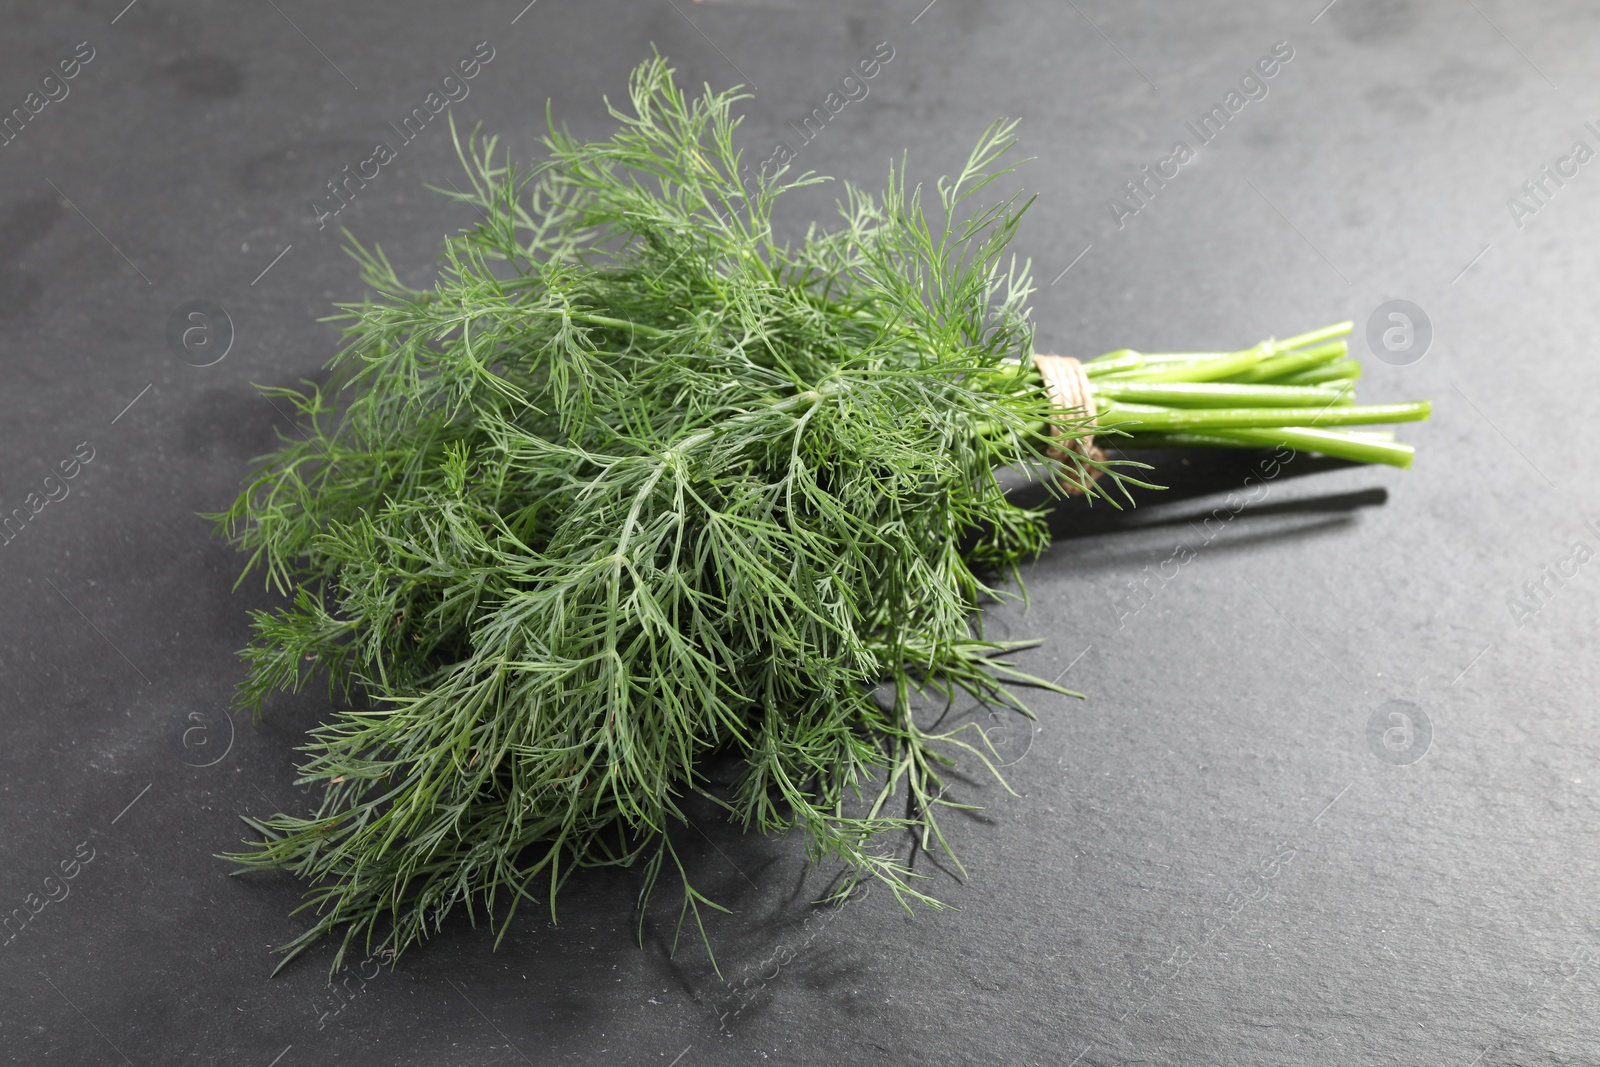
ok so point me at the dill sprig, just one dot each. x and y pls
(634, 483)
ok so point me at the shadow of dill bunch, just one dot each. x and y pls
(635, 483)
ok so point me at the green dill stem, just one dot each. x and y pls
(1327, 333)
(1114, 362)
(1216, 395)
(1346, 369)
(1293, 362)
(1203, 370)
(1357, 447)
(1155, 359)
(1177, 440)
(1187, 368)
(620, 324)
(1135, 417)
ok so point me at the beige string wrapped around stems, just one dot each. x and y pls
(1071, 395)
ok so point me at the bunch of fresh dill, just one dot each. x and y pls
(636, 483)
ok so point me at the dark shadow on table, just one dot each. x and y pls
(1194, 475)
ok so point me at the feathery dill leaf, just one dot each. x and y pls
(636, 482)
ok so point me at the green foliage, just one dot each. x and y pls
(634, 483)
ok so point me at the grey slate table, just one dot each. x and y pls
(1332, 796)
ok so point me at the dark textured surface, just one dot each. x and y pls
(1209, 862)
